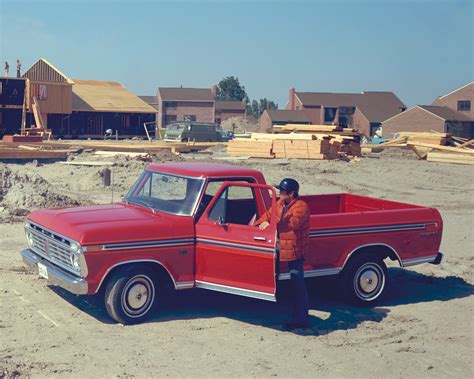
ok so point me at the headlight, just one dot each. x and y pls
(75, 261)
(75, 248)
(29, 239)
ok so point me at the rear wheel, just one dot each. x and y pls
(184, 140)
(130, 295)
(364, 279)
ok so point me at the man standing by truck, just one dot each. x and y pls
(293, 235)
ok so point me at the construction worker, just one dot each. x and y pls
(293, 236)
(108, 133)
(18, 68)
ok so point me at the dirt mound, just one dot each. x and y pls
(20, 193)
(141, 162)
(239, 125)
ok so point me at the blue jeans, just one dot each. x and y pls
(298, 295)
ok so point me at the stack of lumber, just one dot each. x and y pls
(342, 141)
(302, 149)
(250, 148)
(293, 145)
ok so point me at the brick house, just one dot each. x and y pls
(228, 109)
(282, 117)
(363, 111)
(424, 118)
(194, 104)
(460, 100)
(185, 104)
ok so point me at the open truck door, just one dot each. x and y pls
(233, 255)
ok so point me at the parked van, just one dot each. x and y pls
(193, 131)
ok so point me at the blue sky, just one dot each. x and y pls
(417, 49)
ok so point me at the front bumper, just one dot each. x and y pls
(56, 275)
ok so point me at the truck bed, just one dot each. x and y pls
(344, 223)
(348, 203)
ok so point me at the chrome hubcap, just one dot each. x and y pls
(368, 281)
(137, 296)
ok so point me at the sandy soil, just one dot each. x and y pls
(424, 326)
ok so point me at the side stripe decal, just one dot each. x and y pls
(149, 244)
(237, 245)
(371, 229)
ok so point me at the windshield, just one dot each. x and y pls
(176, 127)
(166, 193)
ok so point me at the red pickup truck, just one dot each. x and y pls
(187, 225)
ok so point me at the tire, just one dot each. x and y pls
(364, 280)
(130, 295)
(184, 140)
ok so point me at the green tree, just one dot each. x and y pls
(229, 88)
(256, 108)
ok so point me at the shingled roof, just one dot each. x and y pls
(288, 116)
(150, 100)
(446, 113)
(100, 96)
(185, 94)
(230, 105)
(375, 106)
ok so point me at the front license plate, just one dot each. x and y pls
(42, 270)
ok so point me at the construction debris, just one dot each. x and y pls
(19, 153)
(88, 163)
(60, 149)
(431, 146)
(450, 158)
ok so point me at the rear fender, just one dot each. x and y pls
(378, 249)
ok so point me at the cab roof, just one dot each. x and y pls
(204, 170)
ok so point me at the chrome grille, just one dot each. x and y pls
(52, 247)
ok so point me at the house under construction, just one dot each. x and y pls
(75, 108)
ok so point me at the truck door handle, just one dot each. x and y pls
(259, 238)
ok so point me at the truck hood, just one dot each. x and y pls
(101, 224)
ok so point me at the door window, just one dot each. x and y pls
(236, 205)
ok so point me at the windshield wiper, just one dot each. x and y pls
(143, 202)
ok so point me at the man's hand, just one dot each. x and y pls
(264, 225)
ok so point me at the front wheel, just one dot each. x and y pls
(364, 280)
(130, 295)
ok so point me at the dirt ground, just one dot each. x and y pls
(423, 327)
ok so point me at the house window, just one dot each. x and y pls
(170, 119)
(170, 104)
(464, 105)
(329, 115)
(189, 117)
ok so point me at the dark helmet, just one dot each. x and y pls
(288, 185)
